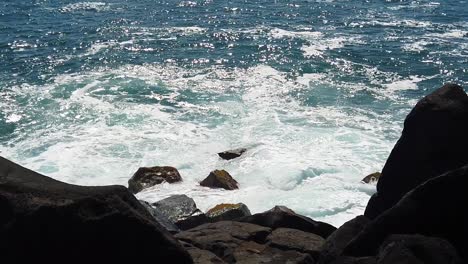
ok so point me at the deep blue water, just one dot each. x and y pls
(317, 90)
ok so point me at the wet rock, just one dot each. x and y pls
(236, 242)
(146, 177)
(223, 212)
(372, 178)
(220, 179)
(48, 221)
(232, 154)
(436, 208)
(417, 249)
(433, 142)
(338, 240)
(181, 210)
(281, 216)
(160, 218)
(296, 240)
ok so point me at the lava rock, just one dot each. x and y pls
(433, 142)
(160, 218)
(296, 240)
(236, 242)
(436, 208)
(281, 216)
(43, 220)
(417, 249)
(181, 210)
(146, 177)
(224, 212)
(232, 154)
(372, 178)
(220, 179)
(338, 240)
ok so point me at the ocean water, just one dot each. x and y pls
(316, 90)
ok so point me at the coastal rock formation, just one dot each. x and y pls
(220, 179)
(433, 142)
(160, 218)
(232, 154)
(281, 216)
(437, 208)
(236, 242)
(146, 177)
(297, 240)
(223, 212)
(52, 222)
(372, 178)
(181, 210)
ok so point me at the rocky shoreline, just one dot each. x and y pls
(418, 215)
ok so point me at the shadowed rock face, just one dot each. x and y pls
(54, 222)
(434, 140)
(281, 216)
(220, 179)
(146, 177)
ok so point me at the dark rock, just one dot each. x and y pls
(181, 210)
(220, 179)
(281, 216)
(351, 260)
(296, 240)
(372, 178)
(47, 221)
(433, 142)
(146, 177)
(201, 256)
(160, 218)
(436, 208)
(232, 154)
(417, 249)
(236, 242)
(224, 212)
(338, 240)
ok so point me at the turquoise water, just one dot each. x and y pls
(317, 90)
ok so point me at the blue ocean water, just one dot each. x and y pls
(316, 90)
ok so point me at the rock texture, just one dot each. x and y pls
(181, 210)
(236, 242)
(232, 154)
(47, 221)
(220, 179)
(297, 240)
(437, 208)
(160, 218)
(281, 216)
(433, 142)
(372, 178)
(146, 177)
(223, 212)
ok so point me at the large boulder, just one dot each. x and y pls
(220, 179)
(181, 210)
(146, 177)
(232, 154)
(437, 208)
(162, 219)
(224, 212)
(47, 221)
(433, 141)
(281, 216)
(417, 249)
(236, 242)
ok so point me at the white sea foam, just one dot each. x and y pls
(308, 158)
(85, 6)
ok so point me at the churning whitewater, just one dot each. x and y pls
(315, 90)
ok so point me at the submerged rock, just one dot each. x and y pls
(236, 242)
(437, 208)
(220, 179)
(146, 177)
(47, 221)
(223, 212)
(434, 140)
(372, 178)
(281, 216)
(232, 154)
(181, 210)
